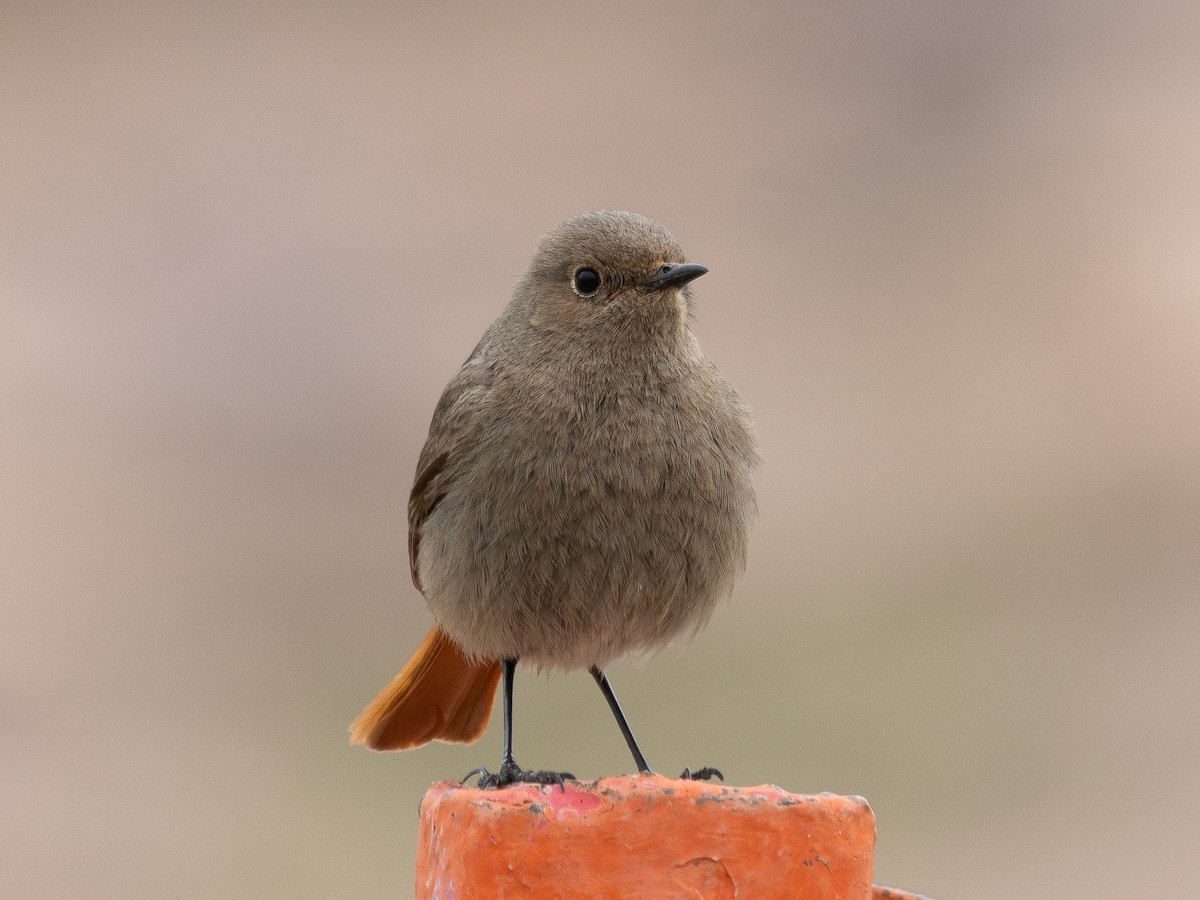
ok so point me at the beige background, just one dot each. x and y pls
(954, 271)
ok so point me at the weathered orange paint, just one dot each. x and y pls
(643, 837)
(887, 893)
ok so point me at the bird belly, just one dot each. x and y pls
(568, 565)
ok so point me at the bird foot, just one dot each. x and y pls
(705, 774)
(510, 773)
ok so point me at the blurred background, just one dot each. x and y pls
(953, 255)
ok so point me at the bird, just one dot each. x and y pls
(585, 491)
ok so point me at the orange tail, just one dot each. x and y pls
(440, 695)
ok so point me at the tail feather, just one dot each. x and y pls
(439, 695)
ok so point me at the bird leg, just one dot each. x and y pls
(639, 760)
(607, 691)
(509, 772)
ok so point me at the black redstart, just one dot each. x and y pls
(585, 490)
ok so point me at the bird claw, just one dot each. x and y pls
(510, 773)
(705, 774)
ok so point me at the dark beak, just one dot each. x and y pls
(674, 275)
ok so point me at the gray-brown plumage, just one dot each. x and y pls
(585, 490)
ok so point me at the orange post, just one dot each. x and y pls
(644, 836)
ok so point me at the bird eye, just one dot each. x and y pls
(587, 282)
